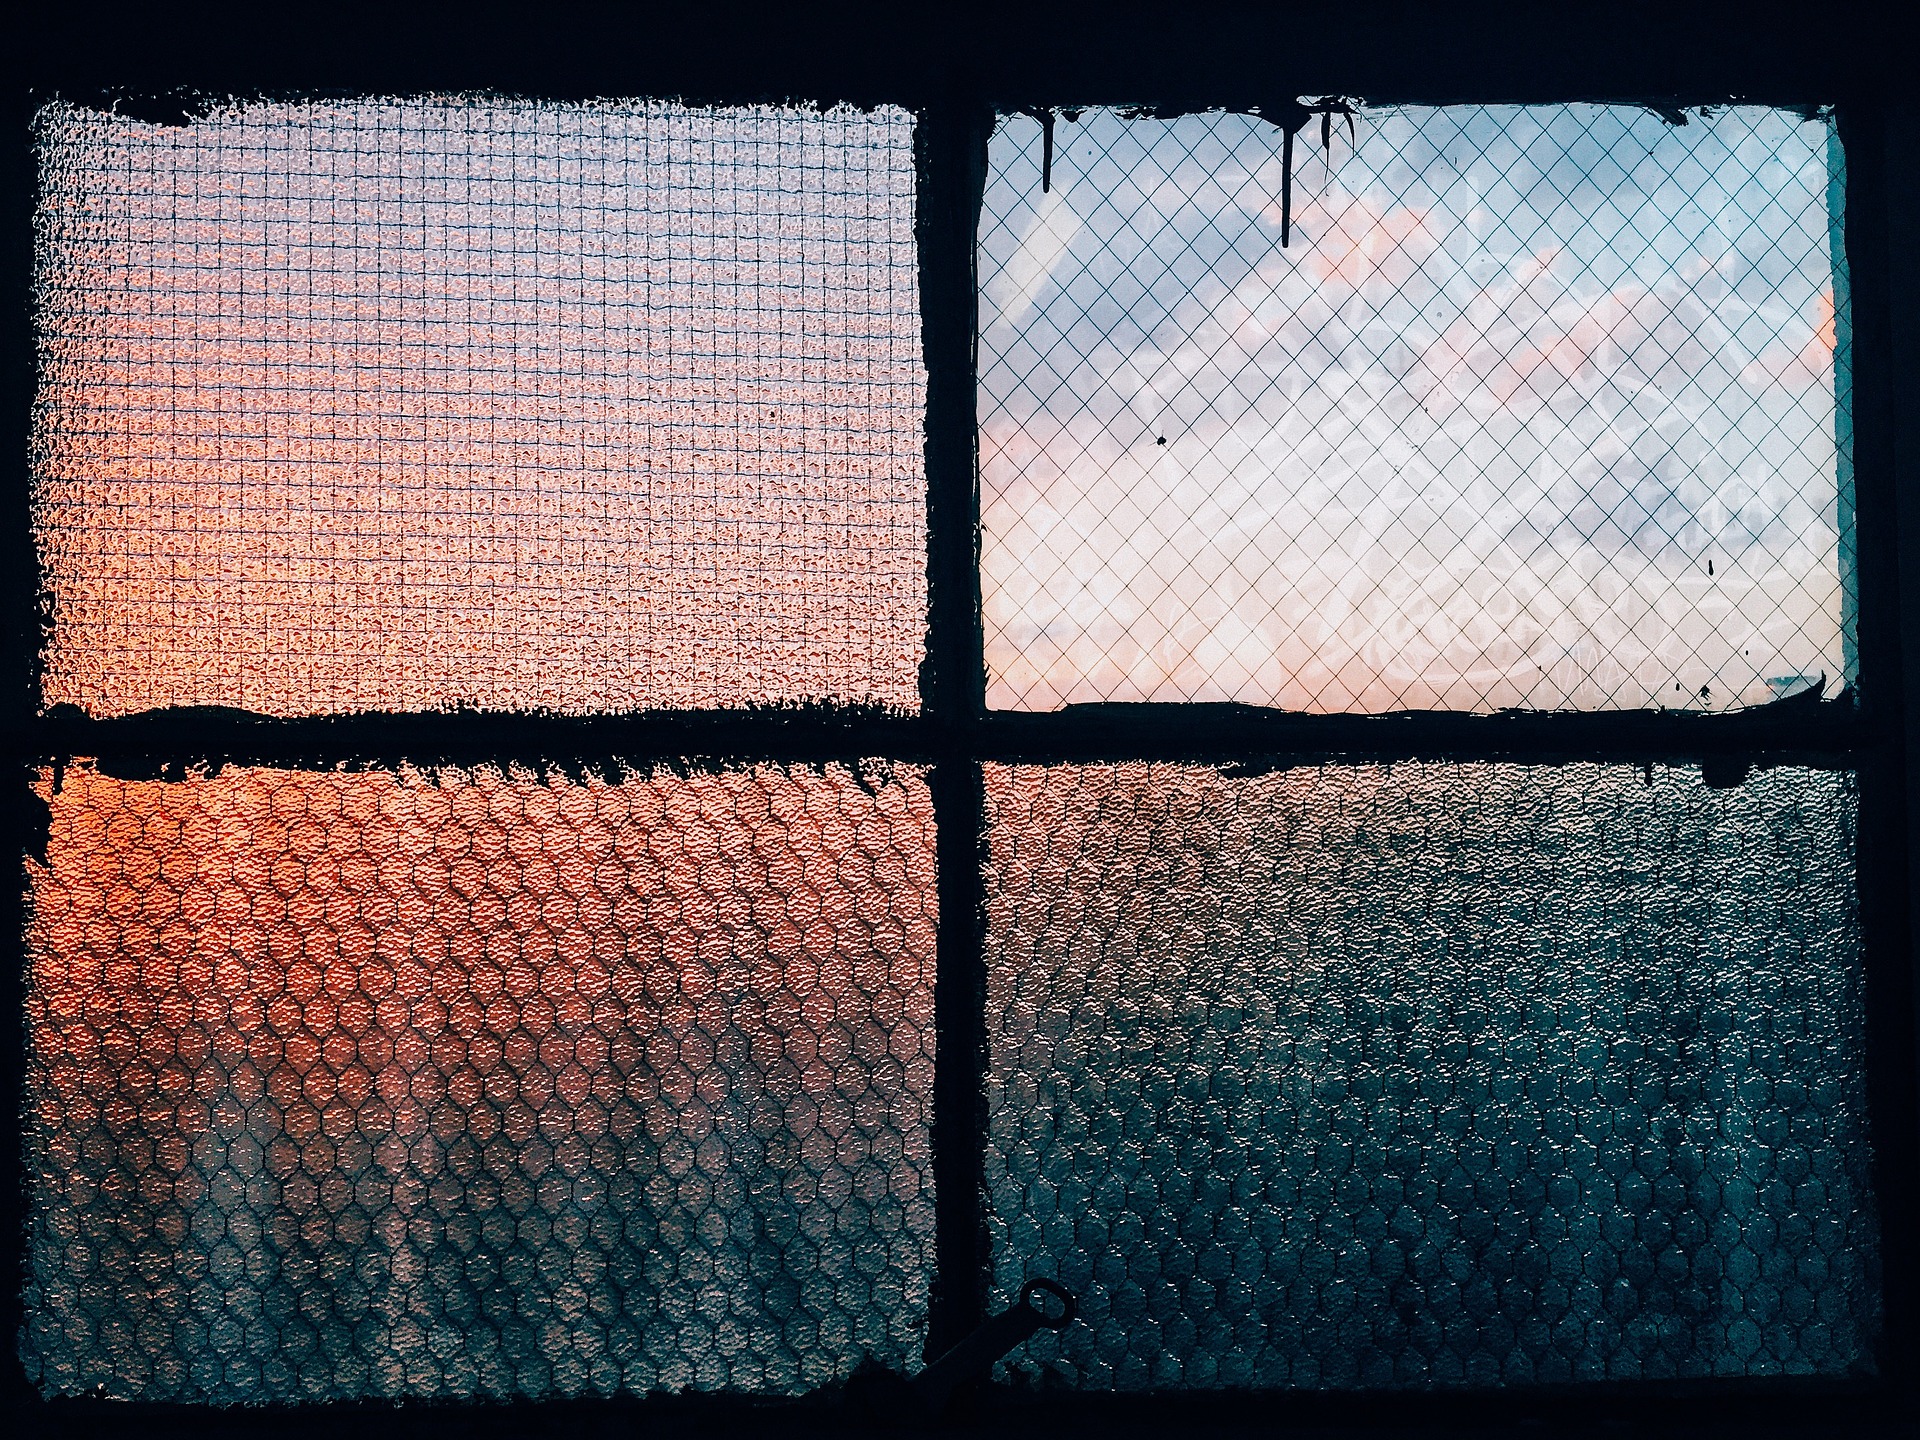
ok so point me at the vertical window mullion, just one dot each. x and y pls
(21, 830)
(1888, 598)
(951, 154)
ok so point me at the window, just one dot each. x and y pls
(479, 1081)
(1542, 408)
(478, 1084)
(1422, 1074)
(1312, 1073)
(351, 407)
(676, 743)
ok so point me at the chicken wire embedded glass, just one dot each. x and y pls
(382, 1084)
(1429, 1075)
(1542, 407)
(397, 405)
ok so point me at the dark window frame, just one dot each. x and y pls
(942, 69)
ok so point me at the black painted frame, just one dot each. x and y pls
(957, 66)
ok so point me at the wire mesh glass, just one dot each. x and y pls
(1541, 407)
(478, 1084)
(1429, 1075)
(472, 402)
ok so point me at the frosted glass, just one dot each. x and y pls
(1434, 1075)
(416, 404)
(478, 1084)
(1541, 407)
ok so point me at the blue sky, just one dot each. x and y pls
(1536, 409)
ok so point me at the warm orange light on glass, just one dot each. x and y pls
(475, 1084)
(448, 402)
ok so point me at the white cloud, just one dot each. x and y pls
(1048, 237)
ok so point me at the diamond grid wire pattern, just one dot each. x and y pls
(1538, 409)
(347, 1085)
(1429, 1075)
(417, 404)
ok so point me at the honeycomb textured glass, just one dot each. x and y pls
(1434, 1075)
(410, 405)
(478, 1084)
(1540, 407)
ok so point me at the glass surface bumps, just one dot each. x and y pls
(1429, 1075)
(404, 405)
(478, 1084)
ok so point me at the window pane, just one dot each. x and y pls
(1541, 407)
(409, 405)
(1429, 1075)
(478, 1084)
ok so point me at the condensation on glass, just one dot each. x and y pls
(472, 402)
(478, 1084)
(1541, 407)
(1429, 1075)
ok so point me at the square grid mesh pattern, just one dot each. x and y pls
(1542, 407)
(348, 1085)
(412, 405)
(1429, 1075)
(460, 1084)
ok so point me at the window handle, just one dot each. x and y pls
(1043, 1305)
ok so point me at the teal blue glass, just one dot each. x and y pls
(1429, 1075)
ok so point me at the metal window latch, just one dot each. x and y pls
(1043, 1305)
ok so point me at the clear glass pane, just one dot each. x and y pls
(410, 405)
(1429, 1075)
(1540, 407)
(478, 1084)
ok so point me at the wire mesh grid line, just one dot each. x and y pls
(1538, 410)
(409, 405)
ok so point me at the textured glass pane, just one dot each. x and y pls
(478, 1084)
(407, 405)
(1537, 408)
(1430, 1075)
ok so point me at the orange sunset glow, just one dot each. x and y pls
(409, 406)
(331, 1073)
